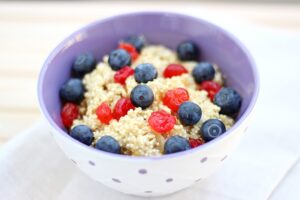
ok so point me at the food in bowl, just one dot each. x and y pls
(149, 175)
(147, 100)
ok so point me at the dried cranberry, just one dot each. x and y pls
(211, 87)
(121, 75)
(195, 142)
(69, 113)
(161, 121)
(130, 49)
(173, 98)
(122, 106)
(104, 113)
(174, 70)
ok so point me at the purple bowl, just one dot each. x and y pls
(217, 46)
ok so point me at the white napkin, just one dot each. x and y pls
(264, 166)
(33, 167)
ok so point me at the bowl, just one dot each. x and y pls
(150, 176)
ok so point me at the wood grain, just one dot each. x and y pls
(29, 30)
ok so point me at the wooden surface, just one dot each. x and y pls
(29, 31)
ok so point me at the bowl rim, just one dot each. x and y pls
(231, 131)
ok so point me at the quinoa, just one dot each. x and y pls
(132, 130)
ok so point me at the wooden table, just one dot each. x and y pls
(29, 31)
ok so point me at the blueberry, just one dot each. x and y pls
(189, 113)
(83, 134)
(72, 91)
(137, 41)
(187, 51)
(203, 71)
(211, 129)
(118, 59)
(145, 72)
(142, 96)
(83, 64)
(108, 144)
(229, 101)
(176, 144)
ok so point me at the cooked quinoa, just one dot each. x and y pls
(132, 131)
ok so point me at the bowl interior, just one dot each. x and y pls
(168, 29)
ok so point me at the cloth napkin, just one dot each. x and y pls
(264, 166)
(34, 168)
